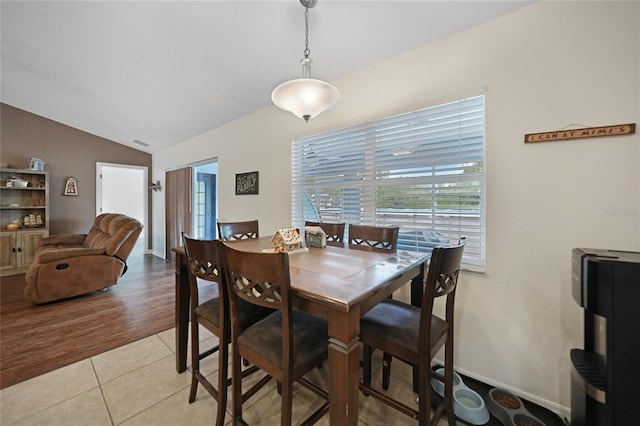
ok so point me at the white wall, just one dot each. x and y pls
(547, 66)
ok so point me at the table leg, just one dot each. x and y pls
(182, 312)
(417, 287)
(344, 368)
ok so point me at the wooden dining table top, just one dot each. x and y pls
(339, 277)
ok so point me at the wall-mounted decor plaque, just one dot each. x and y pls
(247, 183)
(71, 187)
(585, 132)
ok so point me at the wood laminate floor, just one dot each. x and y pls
(35, 339)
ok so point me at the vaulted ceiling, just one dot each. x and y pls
(161, 72)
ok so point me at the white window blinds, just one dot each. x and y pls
(422, 171)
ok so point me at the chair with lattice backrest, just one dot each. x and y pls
(230, 231)
(373, 238)
(414, 335)
(213, 314)
(333, 231)
(287, 344)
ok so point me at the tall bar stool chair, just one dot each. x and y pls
(213, 314)
(414, 335)
(334, 231)
(287, 344)
(230, 231)
(373, 238)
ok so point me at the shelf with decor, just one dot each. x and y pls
(24, 217)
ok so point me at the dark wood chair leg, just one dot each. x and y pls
(424, 404)
(366, 366)
(195, 360)
(223, 372)
(386, 370)
(287, 404)
(236, 383)
(448, 381)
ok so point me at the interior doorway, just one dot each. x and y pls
(122, 188)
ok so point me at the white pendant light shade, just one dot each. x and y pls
(305, 97)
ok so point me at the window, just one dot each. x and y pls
(421, 170)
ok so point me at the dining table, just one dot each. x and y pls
(338, 284)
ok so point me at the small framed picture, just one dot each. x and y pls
(71, 187)
(247, 183)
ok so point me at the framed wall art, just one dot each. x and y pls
(71, 187)
(247, 183)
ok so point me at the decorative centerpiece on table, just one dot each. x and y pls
(314, 236)
(287, 240)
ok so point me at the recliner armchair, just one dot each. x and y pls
(68, 265)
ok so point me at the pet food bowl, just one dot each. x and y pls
(509, 409)
(468, 405)
(438, 386)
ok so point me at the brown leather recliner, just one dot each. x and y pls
(68, 265)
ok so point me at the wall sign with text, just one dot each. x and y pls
(247, 183)
(585, 132)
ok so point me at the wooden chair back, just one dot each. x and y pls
(334, 231)
(202, 260)
(373, 238)
(442, 280)
(230, 231)
(260, 279)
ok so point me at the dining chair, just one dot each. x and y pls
(230, 231)
(334, 232)
(373, 238)
(414, 335)
(287, 344)
(213, 314)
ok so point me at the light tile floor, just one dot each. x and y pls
(137, 385)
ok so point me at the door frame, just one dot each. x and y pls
(144, 186)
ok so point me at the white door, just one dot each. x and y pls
(122, 188)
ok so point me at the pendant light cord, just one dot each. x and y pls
(306, 33)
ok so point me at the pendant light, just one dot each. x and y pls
(306, 97)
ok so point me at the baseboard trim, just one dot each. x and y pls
(157, 254)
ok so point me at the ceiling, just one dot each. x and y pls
(161, 72)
